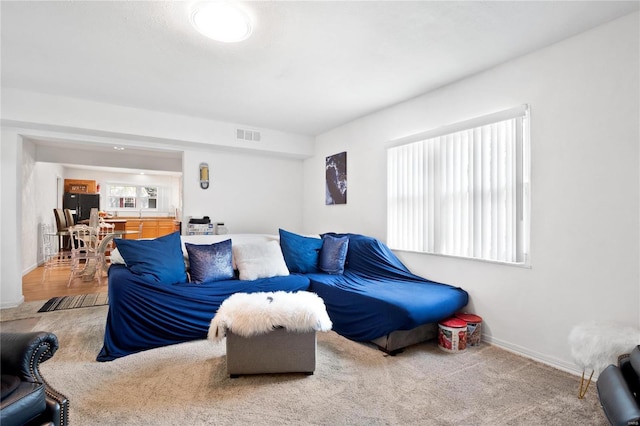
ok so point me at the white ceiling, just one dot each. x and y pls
(76, 155)
(308, 67)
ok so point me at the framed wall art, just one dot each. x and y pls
(336, 179)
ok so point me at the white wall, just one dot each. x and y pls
(39, 198)
(63, 118)
(584, 97)
(248, 192)
(259, 189)
(10, 225)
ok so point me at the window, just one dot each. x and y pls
(462, 190)
(122, 197)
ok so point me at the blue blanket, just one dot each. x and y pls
(144, 315)
(377, 294)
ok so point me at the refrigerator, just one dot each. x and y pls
(80, 204)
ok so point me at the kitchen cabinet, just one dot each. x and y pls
(152, 227)
(166, 227)
(78, 186)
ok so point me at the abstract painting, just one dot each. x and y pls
(336, 175)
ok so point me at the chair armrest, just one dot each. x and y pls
(22, 353)
(629, 365)
(617, 401)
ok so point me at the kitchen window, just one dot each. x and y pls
(463, 190)
(132, 197)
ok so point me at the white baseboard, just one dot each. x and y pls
(11, 304)
(29, 269)
(536, 356)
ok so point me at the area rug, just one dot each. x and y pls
(354, 384)
(72, 302)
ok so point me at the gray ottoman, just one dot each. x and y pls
(272, 332)
(279, 351)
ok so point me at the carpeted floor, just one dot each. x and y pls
(354, 384)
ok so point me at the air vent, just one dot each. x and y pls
(247, 135)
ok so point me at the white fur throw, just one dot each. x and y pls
(595, 345)
(250, 314)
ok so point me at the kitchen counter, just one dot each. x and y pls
(152, 227)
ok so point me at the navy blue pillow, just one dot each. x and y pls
(300, 252)
(160, 259)
(333, 254)
(210, 262)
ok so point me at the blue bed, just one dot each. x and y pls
(144, 315)
(377, 295)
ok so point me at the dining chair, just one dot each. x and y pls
(68, 216)
(104, 250)
(61, 226)
(49, 252)
(94, 218)
(84, 253)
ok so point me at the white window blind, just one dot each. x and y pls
(462, 190)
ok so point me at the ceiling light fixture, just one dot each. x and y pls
(118, 148)
(221, 21)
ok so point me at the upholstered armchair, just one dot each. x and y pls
(619, 390)
(26, 397)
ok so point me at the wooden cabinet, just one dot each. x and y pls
(151, 227)
(166, 227)
(79, 186)
(133, 225)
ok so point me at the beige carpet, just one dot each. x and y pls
(354, 384)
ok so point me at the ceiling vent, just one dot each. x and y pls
(247, 135)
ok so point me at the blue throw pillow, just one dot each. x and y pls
(160, 259)
(300, 252)
(333, 254)
(210, 262)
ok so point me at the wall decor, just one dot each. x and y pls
(204, 175)
(336, 179)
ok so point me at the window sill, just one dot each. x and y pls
(525, 265)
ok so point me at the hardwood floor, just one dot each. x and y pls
(34, 287)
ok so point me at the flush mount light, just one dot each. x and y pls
(221, 21)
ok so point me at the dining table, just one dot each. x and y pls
(91, 268)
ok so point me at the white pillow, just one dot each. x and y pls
(116, 258)
(262, 260)
(235, 239)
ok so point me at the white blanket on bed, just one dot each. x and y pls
(251, 314)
